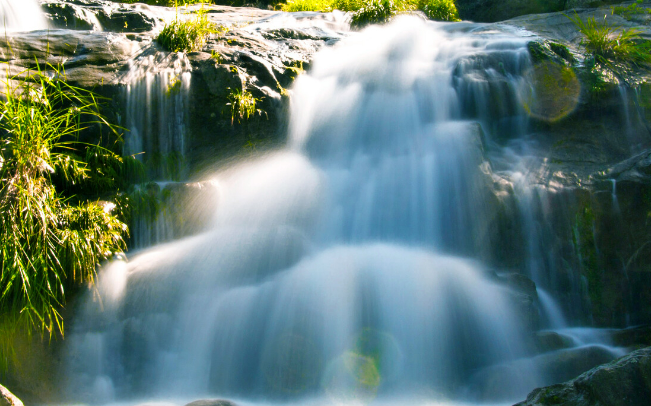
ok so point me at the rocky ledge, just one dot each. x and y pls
(625, 381)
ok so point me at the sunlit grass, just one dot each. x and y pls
(47, 244)
(612, 44)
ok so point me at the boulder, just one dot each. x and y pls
(622, 382)
(211, 402)
(510, 380)
(7, 398)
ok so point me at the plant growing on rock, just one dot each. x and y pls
(47, 244)
(242, 105)
(186, 35)
(608, 44)
(440, 10)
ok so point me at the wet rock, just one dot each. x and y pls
(521, 283)
(625, 381)
(7, 398)
(211, 402)
(633, 337)
(499, 10)
(505, 381)
(525, 309)
(559, 366)
(70, 16)
(546, 341)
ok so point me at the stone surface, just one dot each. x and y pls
(7, 398)
(625, 381)
(499, 10)
(211, 402)
(546, 341)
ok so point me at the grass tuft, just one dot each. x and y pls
(608, 44)
(242, 105)
(47, 243)
(186, 35)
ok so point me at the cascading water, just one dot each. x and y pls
(21, 15)
(156, 115)
(331, 271)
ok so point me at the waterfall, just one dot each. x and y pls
(22, 15)
(348, 267)
(156, 94)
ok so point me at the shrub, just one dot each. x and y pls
(441, 10)
(610, 44)
(374, 12)
(47, 244)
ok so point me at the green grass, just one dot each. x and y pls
(375, 12)
(242, 105)
(628, 12)
(187, 35)
(306, 5)
(608, 44)
(48, 244)
(440, 10)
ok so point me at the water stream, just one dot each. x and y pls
(349, 267)
(21, 15)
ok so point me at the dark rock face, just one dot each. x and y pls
(625, 381)
(500, 10)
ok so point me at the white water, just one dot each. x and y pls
(21, 15)
(346, 268)
(156, 93)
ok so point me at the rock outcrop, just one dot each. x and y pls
(7, 398)
(625, 381)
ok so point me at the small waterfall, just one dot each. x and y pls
(22, 15)
(551, 311)
(156, 93)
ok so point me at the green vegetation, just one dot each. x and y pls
(608, 44)
(374, 12)
(242, 104)
(186, 35)
(306, 5)
(48, 244)
(378, 11)
(631, 10)
(441, 10)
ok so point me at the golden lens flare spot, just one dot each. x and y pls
(551, 91)
(352, 377)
